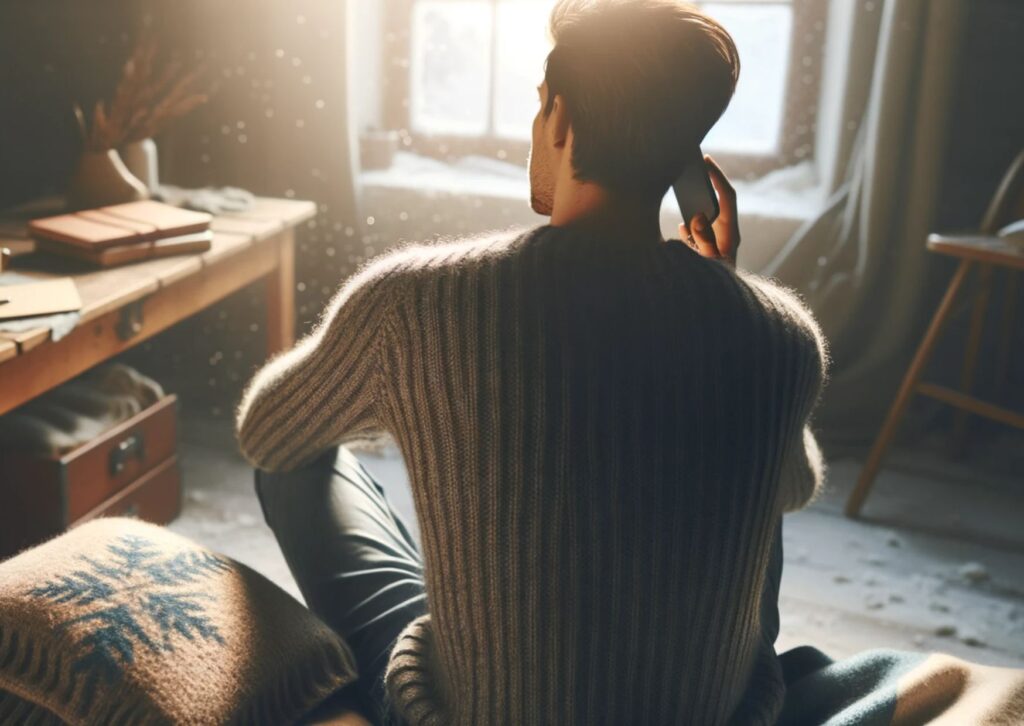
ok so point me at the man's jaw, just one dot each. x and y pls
(541, 206)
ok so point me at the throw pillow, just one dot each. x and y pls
(119, 621)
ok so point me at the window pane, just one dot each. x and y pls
(753, 120)
(522, 47)
(451, 66)
(451, 78)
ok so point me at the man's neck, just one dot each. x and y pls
(585, 205)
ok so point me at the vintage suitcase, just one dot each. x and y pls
(129, 470)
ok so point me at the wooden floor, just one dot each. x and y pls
(937, 564)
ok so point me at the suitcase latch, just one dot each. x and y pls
(132, 447)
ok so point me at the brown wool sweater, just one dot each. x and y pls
(601, 437)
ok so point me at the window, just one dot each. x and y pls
(461, 76)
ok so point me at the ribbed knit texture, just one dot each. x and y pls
(601, 435)
(122, 622)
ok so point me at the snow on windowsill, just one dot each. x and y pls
(790, 193)
(471, 175)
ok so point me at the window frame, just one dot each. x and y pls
(799, 118)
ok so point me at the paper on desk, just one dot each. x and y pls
(39, 298)
(59, 325)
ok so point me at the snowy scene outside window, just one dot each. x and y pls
(474, 65)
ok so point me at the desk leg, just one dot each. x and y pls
(281, 297)
(907, 389)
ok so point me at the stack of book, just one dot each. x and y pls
(123, 233)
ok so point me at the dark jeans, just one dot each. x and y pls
(359, 568)
(353, 558)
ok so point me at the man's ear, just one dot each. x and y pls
(559, 123)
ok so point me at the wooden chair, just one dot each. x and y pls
(985, 251)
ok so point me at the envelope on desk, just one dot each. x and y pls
(39, 298)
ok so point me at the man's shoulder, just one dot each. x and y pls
(776, 298)
(409, 264)
(787, 312)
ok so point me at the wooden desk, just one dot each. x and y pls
(124, 306)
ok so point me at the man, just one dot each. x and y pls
(602, 428)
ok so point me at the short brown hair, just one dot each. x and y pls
(642, 80)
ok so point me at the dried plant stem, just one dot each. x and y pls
(143, 101)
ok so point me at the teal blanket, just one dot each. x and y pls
(896, 688)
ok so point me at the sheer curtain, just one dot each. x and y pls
(861, 264)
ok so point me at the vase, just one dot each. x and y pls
(100, 179)
(141, 159)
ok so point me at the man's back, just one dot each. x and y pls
(594, 432)
(601, 436)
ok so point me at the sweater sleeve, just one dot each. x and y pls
(803, 471)
(324, 391)
(803, 466)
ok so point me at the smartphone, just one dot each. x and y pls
(694, 191)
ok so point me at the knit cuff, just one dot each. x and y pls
(408, 677)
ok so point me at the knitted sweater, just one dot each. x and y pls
(601, 437)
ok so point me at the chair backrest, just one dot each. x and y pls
(1008, 203)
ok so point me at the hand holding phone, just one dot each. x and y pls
(694, 191)
(717, 235)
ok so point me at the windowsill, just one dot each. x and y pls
(472, 175)
(771, 208)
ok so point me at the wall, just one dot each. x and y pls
(52, 54)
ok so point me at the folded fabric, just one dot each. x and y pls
(78, 412)
(118, 621)
(214, 200)
(897, 688)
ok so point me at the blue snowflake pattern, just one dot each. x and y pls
(136, 586)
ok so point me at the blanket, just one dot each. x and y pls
(898, 688)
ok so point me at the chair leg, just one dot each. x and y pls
(924, 351)
(1006, 332)
(974, 335)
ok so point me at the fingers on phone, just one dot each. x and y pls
(714, 168)
(687, 237)
(707, 250)
(704, 236)
(702, 227)
(723, 187)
